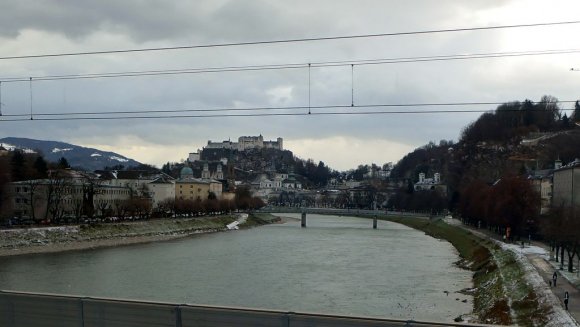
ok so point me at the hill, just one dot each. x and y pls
(517, 138)
(77, 156)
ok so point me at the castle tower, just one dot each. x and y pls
(421, 177)
(437, 178)
(219, 172)
(205, 172)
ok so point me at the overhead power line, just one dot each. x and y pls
(351, 63)
(296, 40)
(182, 113)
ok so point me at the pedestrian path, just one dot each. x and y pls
(537, 255)
(546, 269)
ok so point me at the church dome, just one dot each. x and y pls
(186, 172)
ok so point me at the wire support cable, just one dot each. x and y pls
(351, 63)
(218, 112)
(295, 40)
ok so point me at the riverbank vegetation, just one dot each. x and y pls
(500, 294)
(259, 219)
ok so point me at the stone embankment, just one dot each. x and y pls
(80, 237)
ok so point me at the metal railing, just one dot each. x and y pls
(22, 309)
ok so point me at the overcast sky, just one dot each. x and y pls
(341, 141)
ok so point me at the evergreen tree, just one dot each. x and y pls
(41, 167)
(528, 112)
(63, 163)
(576, 115)
(565, 122)
(18, 166)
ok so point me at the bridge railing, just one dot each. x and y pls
(21, 309)
(344, 212)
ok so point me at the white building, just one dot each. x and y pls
(158, 186)
(567, 185)
(194, 156)
(430, 184)
(161, 189)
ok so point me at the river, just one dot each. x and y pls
(336, 265)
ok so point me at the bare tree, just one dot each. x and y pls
(58, 185)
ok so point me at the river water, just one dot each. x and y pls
(336, 265)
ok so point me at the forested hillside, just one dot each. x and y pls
(512, 140)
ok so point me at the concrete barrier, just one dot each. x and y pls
(21, 309)
(39, 310)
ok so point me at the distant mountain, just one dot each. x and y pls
(77, 156)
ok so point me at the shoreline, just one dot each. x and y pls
(95, 243)
(32, 241)
(20, 242)
(503, 291)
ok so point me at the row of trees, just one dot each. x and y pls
(511, 204)
(418, 201)
(518, 118)
(561, 228)
(57, 195)
(20, 166)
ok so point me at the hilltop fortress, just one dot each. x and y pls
(246, 142)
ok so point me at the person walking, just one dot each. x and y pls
(554, 278)
(566, 298)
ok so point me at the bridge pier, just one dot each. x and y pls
(303, 223)
(375, 222)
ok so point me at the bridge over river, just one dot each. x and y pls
(339, 212)
(343, 212)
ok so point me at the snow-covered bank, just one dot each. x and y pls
(557, 316)
(56, 239)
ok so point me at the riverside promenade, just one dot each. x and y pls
(539, 267)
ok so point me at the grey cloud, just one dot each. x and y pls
(188, 22)
(140, 19)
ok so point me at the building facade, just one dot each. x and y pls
(430, 184)
(54, 198)
(567, 185)
(197, 189)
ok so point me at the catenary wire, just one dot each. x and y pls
(384, 105)
(296, 40)
(39, 117)
(291, 65)
(260, 115)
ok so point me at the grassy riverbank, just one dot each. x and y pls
(259, 219)
(500, 294)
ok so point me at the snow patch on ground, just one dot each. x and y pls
(119, 159)
(55, 150)
(558, 316)
(528, 249)
(8, 146)
(11, 147)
